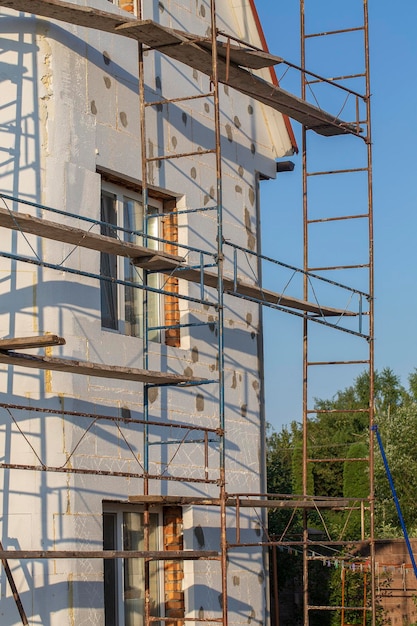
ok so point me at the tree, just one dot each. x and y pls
(340, 430)
(355, 485)
(398, 433)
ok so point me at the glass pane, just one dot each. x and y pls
(154, 299)
(108, 264)
(134, 574)
(133, 221)
(110, 570)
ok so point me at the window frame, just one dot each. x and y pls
(117, 511)
(122, 265)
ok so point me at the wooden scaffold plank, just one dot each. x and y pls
(79, 237)
(24, 343)
(98, 370)
(195, 52)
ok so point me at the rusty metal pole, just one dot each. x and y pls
(220, 311)
(305, 325)
(144, 166)
(371, 316)
(275, 584)
(16, 596)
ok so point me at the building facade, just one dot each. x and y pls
(81, 451)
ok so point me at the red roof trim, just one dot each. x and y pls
(274, 78)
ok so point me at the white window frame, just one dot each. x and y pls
(121, 194)
(118, 510)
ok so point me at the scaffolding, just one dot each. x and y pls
(228, 61)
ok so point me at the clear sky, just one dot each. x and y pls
(393, 51)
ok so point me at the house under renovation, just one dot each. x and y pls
(133, 140)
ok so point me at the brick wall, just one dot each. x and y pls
(173, 570)
(171, 306)
(394, 566)
(127, 5)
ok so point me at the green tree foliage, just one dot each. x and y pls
(340, 429)
(355, 485)
(398, 432)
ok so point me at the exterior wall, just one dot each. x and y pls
(71, 112)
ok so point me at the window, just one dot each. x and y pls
(122, 305)
(124, 582)
(127, 5)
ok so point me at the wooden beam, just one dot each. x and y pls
(184, 47)
(94, 369)
(24, 343)
(79, 237)
(179, 46)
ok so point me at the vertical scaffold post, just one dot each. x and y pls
(220, 309)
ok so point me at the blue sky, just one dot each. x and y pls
(393, 49)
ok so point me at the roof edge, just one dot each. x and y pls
(274, 78)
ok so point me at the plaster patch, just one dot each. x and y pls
(93, 107)
(199, 535)
(106, 58)
(229, 132)
(248, 226)
(193, 173)
(153, 394)
(199, 402)
(126, 414)
(251, 195)
(194, 354)
(123, 119)
(236, 121)
(107, 82)
(46, 98)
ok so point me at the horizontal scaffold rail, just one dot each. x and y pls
(245, 502)
(160, 261)
(151, 555)
(95, 369)
(195, 52)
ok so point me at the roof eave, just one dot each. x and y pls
(274, 78)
